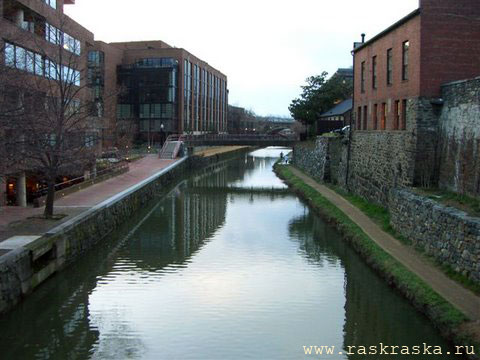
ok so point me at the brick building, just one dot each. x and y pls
(397, 93)
(137, 91)
(160, 90)
(32, 32)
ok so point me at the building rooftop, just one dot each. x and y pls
(387, 30)
(339, 109)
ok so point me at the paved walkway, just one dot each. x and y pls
(19, 221)
(463, 299)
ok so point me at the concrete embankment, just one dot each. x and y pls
(33, 259)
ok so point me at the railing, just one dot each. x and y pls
(81, 182)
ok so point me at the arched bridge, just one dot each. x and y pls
(237, 139)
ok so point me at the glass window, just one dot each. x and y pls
(155, 110)
(30, 57)
(9, 55)
(405, 50)
(20, 58)
(389, 66)
(124, 111)
(374, 72)
(38, 65)
(144, 111)
(362, 79)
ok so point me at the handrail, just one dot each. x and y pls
(80, 179)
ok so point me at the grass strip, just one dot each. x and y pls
(444, 316)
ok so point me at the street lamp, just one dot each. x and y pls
(161, 134)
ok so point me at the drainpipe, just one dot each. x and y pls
(349, 149)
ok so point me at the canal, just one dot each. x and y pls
(227, 265)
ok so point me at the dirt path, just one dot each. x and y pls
(463, 299)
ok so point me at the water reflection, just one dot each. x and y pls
(374, 313)
(217, 269)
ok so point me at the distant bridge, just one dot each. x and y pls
(237, 139)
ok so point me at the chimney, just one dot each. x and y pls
(363, 38)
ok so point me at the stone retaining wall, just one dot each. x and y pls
(449, 235)
(325, 159)
(460, 137)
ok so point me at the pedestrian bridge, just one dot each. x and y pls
(236, 139)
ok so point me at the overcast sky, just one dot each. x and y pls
(267, 48)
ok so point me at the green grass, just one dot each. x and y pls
(463, 202)
(381, 217)
(379, 214)
(442, 313)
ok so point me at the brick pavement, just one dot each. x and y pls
(19, 221)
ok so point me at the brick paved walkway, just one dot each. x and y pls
(18, 221)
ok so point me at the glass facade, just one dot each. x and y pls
(57, 37)
(26, 60)
(150, 94)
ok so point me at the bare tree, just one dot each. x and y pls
(51, 123)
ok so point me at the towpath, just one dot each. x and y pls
(463, 299)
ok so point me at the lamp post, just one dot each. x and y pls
(161, 135)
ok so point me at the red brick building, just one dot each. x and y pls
(397, 92)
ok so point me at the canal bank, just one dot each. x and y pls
(28, 261)
(219, 268)
(424, 286)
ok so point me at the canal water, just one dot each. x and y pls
(227, 265)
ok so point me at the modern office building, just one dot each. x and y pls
(160, 90)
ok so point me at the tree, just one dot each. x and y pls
(318, 96)
(50, 124)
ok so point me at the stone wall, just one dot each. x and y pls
(449, 235)
(325, 159)
(311, 157)
(460, 137)
(379, 161)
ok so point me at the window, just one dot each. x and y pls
(374, 72)
(20, 62)
(389, 66)
(96, 58)
(30, 58)
(124, 111)
(375, 116)
(38, 65)
(359, 118)
(144, 111)
(403, 125)
(57, 37)
(396, 121)
(362, 80)
(383, 124)
(405, 49)
(51, 3)
(10, 55)
(365, 117)
(90, 140)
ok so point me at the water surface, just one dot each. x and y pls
(216, 270)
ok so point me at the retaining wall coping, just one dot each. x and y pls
(438, 206)
(458, 82)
